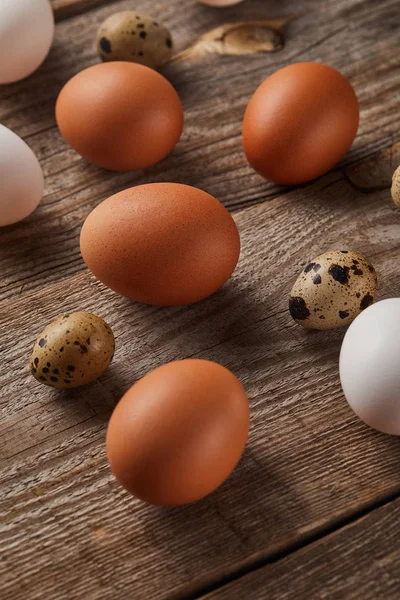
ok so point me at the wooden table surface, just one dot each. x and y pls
(313, 509)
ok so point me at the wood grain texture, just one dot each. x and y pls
(359, 561)
(68, 531)
(214, 91)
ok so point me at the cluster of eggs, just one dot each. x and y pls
(171, 244)
(123, 115)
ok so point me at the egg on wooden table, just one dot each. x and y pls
(120, 116)
(26, 35)
(131, 36)
(179, 432)
(332, 290)
(21, 178)
(370, 366)
(73, 350)
(300, 122)
(162, 244)
(395, 188)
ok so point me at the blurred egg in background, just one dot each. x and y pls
(133, 37)
(21, 178)
(26, 35)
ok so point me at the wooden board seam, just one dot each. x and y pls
(285, 550)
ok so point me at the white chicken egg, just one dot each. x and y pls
(26, 35)
(21, 178)
(370, 366)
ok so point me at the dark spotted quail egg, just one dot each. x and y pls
(130, 36)
(332, 290)
(72, 350)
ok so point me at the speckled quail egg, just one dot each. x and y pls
(332, 290)
(72, 350)
(133, 37)
(396, 186)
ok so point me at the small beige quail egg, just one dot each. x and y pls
(72, 350)
(332, 290)
(133, 37)
(396, 187)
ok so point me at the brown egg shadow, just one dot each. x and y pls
(232, 313)
(249, 513)
(247, 312)
(101, 395)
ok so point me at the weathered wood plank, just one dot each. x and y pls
(69, 531)
(67, 8)
(214, 91)
(359, 561)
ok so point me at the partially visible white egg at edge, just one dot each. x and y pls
(220, 2)
(26, 35)
(21, 178)
(370, 366)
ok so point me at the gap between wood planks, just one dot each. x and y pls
(201, 591)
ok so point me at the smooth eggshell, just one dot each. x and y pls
(332, 290)
(26, 35)
(300, 122)
(73, 350)
(179, 432)
(130, 36)
(369, 366)
(395, 189)
(121, 116)
(220, 3)
(161, 243)
(21, 178)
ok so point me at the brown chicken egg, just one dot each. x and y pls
(161, 243)
(300, 122)
(179, 432)
(120, 116)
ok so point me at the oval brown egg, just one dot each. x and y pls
(179, 432)
(120, 116)
(162, 243)
(300, 122)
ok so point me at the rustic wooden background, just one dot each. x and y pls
(313, 509)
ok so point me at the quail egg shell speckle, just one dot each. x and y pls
(130, 36)
(72, 350)
(332, 290)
